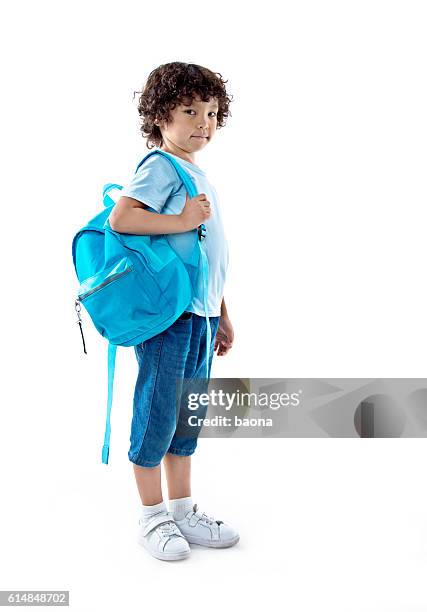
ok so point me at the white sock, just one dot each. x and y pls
(179, 507)
(149, 511)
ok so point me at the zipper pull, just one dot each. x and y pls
(78, 308)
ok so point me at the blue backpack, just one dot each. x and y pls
(135, 286)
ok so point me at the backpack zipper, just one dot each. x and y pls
(78, 308)
(107, 281)
(78, 301)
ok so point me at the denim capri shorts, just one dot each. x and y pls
(159, 418)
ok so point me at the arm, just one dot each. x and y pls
(130, 217)
(225, 335)
(223, 309)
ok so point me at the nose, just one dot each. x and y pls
(203, 124)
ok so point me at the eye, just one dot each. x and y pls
(190, 110)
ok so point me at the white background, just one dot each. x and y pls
(321, 174)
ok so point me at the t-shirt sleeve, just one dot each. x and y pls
(153, 183)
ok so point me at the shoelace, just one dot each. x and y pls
(168, 529)
(204, 517)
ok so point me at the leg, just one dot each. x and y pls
(161, 361)
(178, 474)
(184, 441)
(158, 532)
(148, 481)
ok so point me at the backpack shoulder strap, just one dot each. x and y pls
(112, 350)
(181, 172)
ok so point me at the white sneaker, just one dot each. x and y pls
(198, 528)
(162, 538)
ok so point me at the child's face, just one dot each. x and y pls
(192, 125)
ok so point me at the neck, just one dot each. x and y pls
(178, 152)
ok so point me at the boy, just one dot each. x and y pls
(181, 107)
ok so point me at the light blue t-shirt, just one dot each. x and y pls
(157, 185)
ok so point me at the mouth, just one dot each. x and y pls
(201, 137)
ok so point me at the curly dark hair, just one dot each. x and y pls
(177, 83)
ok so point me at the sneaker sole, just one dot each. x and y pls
(165, 556)
(214, 543)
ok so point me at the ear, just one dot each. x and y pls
(160, 123)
